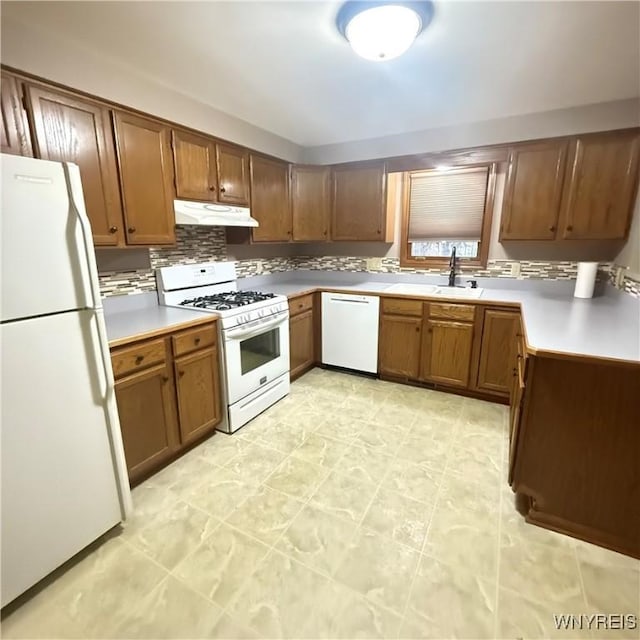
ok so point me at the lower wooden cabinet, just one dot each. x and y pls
(302, 335)
(458, 345)
(166, 401)
(399, 346)
(446, 352)
(198, 408)
(575, 467)
(496, 363)
(147, 419)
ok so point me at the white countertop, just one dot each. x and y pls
(607, 326)
(136, 315)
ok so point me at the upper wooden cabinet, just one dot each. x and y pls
(195, 165)
(233, 174)
(533, 191)
(579, 188)
(359, 202)
(310, 203)
(602, 182)
(146, 178)
(270, 203)
(14, 135)
(67, 128)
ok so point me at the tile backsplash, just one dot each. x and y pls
(207, 244)
(193, 244)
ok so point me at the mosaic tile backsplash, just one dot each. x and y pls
(207, 244)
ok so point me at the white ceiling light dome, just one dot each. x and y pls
(381, 31)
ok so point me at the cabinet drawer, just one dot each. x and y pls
(402, 306)
(137, 357)
(452, 311)
(192, 339)
(300, 304)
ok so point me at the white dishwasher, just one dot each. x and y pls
(350, 331)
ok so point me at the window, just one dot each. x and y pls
(444, 209)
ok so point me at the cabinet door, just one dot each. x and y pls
(301, 343)
(270, 203)
(72, 129)
(233, 175)
(14, 136)
(602, 187)
(446, 352)
(495, 371)
(146, 178)
(399, 347)
(515, 416)
(147, 419)
(359, 202)
(310, 203)
(195, 164)
(198, 388)
(533, 191)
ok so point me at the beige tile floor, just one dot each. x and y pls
(354, 508)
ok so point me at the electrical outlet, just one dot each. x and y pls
(258, 267)
(515, 269)
(374, 264)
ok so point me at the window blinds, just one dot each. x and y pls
(447, 205)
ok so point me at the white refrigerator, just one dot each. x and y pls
(63, 477)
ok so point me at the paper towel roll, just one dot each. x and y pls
(586, 280)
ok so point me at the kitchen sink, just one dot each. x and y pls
(409, 289)
(458, 292)
(413, 289)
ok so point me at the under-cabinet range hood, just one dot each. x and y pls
(212, 215)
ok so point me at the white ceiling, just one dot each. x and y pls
(283, 67)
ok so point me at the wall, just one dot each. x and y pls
(619, 114)
(629, 257)
(509, 252)
(129, 271)
(42, 53)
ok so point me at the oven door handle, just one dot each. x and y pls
(255, 329)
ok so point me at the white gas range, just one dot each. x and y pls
(254, 332)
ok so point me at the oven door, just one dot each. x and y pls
(256, 353)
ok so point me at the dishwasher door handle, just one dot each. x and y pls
(350, 300)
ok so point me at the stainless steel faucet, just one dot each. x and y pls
(452, 268)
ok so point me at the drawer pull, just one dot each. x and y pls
(180, 373)
(165, 379)
(139, 359)
(197, 340)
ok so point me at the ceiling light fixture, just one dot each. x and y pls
(382, 30)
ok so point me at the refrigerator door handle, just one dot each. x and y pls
(74, 186)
